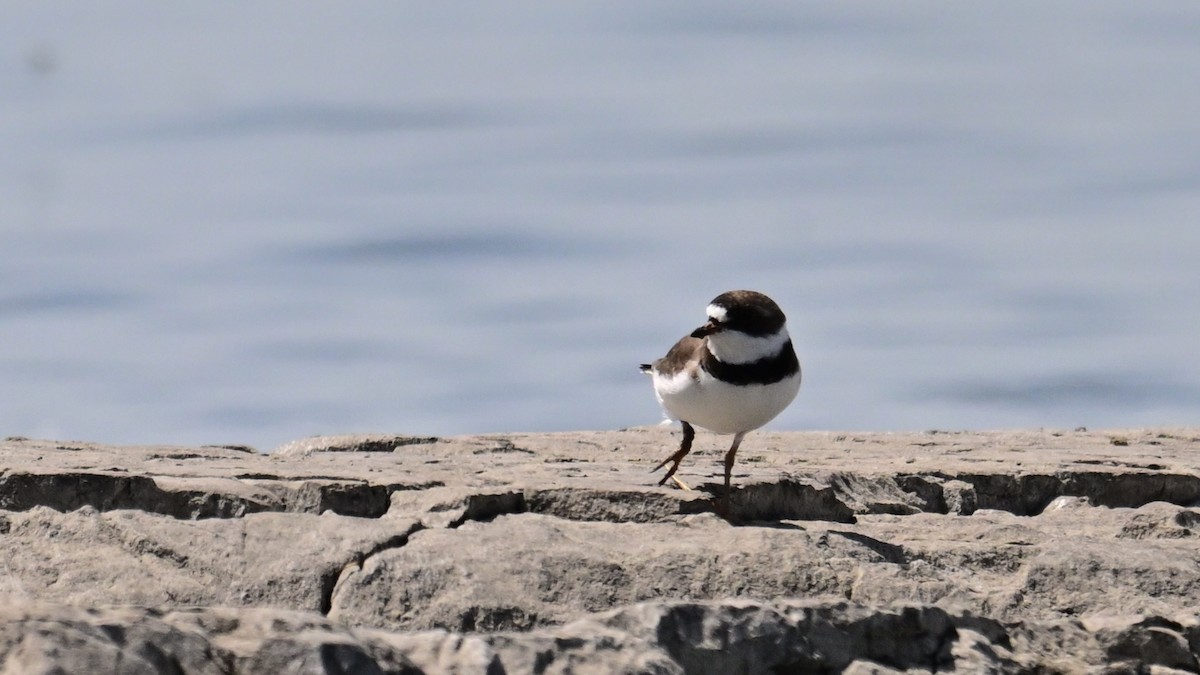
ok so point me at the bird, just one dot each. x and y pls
(731, 376)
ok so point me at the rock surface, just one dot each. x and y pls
(1024, 552)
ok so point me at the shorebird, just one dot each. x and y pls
(731, 376)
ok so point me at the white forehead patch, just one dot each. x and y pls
(716, 313)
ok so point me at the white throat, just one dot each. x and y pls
(731, 346)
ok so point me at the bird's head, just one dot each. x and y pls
(743, 326)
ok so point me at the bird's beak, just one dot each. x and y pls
(706, 330)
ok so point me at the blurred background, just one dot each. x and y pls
(253, 222)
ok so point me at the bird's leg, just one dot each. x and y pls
(723, 506)
(684, 448)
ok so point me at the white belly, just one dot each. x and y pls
(724, 408)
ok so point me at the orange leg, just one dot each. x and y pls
(684, 448)
(722, 507)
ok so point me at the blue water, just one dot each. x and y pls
(251, 224)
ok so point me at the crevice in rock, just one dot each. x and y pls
(449, 508)
(487, 507)
(72, 491)
(1022, 495)
(840, 496)
(383, 443)
(360, 500)
(503, 445)
(492, 619)
(330, 579)
(929, 489)
(187, 504)
(388, 444)
(793, 498)
(611, 505)
(65, 492)
(236, 447)
(889, 552)
(1030, 494)
(875, 494)
(836, 497)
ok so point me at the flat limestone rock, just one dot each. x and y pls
(130, 557)
(1007, 551)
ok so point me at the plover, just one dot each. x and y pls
(732, 375)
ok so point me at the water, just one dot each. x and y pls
(253, 224)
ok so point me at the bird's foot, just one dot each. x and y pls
(681, 484)
(685, 446)
(674, 461)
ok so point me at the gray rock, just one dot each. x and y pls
(36, 638)
(136, 558)
(856, 553)
(521, 571)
